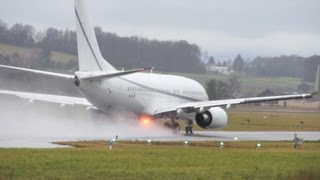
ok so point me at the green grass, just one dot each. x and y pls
(136, 160)
(55, 56)
(63, 57)
(10, 49)
(272, 121)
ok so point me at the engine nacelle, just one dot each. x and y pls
(215, 117)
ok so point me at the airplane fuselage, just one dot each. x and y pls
(142, 93)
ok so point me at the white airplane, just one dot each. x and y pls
(156, 95)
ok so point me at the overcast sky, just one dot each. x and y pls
(224, 28)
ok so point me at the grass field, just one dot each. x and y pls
(273, 121)
(136, 160)
(55, 56)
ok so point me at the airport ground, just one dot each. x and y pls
(175, 160)
(164, 160)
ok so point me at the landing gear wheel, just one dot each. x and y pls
(176, 128)
(166, 125)
(189, 130)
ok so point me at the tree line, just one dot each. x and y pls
(218, 89)
(133, 52)
(282, 66)
(122, 52)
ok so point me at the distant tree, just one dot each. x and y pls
(22, 35)
(43, 60)
(238, 64)
(303, 87)
(217, 90)
(4, 33)
(58, 40)
(4, 59)
(311, 64)
(122, 52)
(285, 66)
(133, 52)
(224, 64)
(223, 90)
(234, 84)
(50, 40)
(205, 56)
(3, 26)
(15, 60)
(211, 60)
(211, 89)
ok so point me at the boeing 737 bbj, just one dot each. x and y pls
(157, 95)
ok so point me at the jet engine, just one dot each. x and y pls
(215, 117)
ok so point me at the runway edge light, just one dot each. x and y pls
(221, 144)
(186, 142)
(110, 144)
(258, 146)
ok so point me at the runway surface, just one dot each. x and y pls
(46, 142)
(37, 125)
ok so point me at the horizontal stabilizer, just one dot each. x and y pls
(112, 75)
(64, 76)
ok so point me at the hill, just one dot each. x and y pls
(251, 85)
(57, 57)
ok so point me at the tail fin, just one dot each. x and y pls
(90, 58)
(317, 82)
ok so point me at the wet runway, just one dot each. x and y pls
(46, 142)
(37, 125)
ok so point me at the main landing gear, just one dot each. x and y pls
(189, 127)
(173, 125)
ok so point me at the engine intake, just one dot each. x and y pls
(215, 117)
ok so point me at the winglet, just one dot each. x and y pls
(317, 82)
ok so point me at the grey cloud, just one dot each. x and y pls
(243, 24)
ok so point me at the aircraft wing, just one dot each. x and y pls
(205, 105)
(63, 100)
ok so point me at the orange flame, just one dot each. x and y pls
(145, 120)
